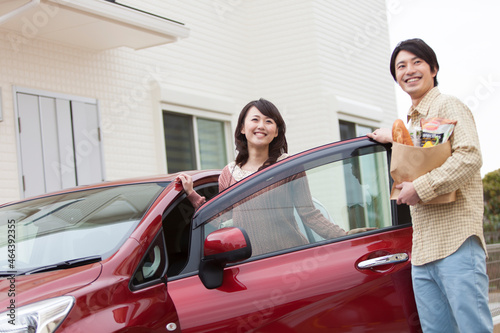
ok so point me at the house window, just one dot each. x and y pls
(349, 130)
(194, 142)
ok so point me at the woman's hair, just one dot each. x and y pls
(419, 48)
(277, 147)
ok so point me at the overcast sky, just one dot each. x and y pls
(466, 38)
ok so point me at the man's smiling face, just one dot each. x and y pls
(414, 75)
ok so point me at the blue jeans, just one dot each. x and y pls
(452, 293)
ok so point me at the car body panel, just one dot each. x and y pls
(319, 286)
(36, 287)
(108, 304)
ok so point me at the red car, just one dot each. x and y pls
(134, 256)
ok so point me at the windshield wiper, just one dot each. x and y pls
(62, 265)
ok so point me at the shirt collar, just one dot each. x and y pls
(425, 104)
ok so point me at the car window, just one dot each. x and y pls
(316, 200)
(152, 267)
(353, 193)
(77, 224)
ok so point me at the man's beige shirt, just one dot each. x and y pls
(440, 229)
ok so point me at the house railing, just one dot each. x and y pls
(493, 266)
(492, 237)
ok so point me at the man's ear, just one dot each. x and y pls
(434, 71)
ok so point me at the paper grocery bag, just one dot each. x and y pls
(409, 162)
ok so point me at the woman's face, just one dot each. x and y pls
(259, 129)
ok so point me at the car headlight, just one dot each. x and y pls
(40, 317)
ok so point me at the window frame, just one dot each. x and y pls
(196, 113)
(160, 237)
(357, 128)
(310, 158)
(196, 238)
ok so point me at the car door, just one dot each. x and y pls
(165, 253)
(308, 271)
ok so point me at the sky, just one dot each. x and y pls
(466, 38)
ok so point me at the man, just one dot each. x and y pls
(449, 253)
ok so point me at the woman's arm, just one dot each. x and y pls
(187, 184)
(310, 215)
(225, 178)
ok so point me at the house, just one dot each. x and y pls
(96, 90)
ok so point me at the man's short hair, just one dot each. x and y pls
(419, 48)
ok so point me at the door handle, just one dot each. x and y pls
(385, 260)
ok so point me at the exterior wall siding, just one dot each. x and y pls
(290, 52)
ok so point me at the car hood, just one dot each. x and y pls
(27, 289)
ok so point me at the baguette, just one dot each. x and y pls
(400, 133)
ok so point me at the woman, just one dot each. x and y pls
(260, 142)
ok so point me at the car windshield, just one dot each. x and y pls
(72, 225)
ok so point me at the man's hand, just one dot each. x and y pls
(382, 135)
(358, 230)
(408, 194)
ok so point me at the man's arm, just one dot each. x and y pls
(465, 160)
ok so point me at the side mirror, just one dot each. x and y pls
(223, 246)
